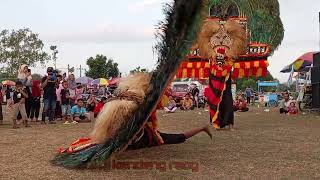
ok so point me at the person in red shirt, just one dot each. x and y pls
(35, 100)
(240, 104)
(292, 110)
(99, 106)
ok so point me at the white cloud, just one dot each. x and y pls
(142, 5)
(102, 34)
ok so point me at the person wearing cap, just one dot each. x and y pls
(49, 85)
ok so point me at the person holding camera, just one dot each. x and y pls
(49, 85)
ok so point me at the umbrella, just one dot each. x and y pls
(8, 83)
(114, 81)
(302, 63)
(84, 80)
(100, 81)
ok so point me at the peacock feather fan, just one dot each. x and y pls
(176, 35)
(263, 18)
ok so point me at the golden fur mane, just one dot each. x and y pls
(233, 29)
(116, 112)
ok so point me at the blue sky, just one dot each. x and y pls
(123, 30)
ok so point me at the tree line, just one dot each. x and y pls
(22, 46)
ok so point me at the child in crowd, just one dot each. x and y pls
(79, 91)
(17, 104)
(99, 106)
(79, 113)
(65, 101)
(91, 104)
(58, 113)
(187, 103)
(171, 107)
(292, 110)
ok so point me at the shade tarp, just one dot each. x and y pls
(302, 63)
(84, 80)
(114, 81)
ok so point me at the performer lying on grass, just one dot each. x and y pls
(150, 136)
(129, 95)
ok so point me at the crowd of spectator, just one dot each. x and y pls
(63, 99)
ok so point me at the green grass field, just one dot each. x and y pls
(263, 146)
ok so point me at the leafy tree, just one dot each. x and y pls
(19, 47)
(101, 66)
(243, 83)
(139, 69)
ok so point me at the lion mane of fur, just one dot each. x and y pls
(116, 112)
(235, 31)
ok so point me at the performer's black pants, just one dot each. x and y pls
(173, 138)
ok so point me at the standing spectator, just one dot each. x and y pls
(29, 79)
(65, 102)
(195, 95)
(72, 88)
(249, 93)
(64, 76)
(17, 104)
(23, 74)
(172, 106)
(91, 104)
(35, 99)
(49, 85)
(1, 101)
(284, 104)
(28, 102)
(58, 113)
(72, 82)
(79, 91)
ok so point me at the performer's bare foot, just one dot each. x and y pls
(195, 131)
(231, 128)
(207, 130)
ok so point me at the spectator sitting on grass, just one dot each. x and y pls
(78, 112)
(171, 107)
(240, 104)
(284, 104)
(292, 110)
(187, 103)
